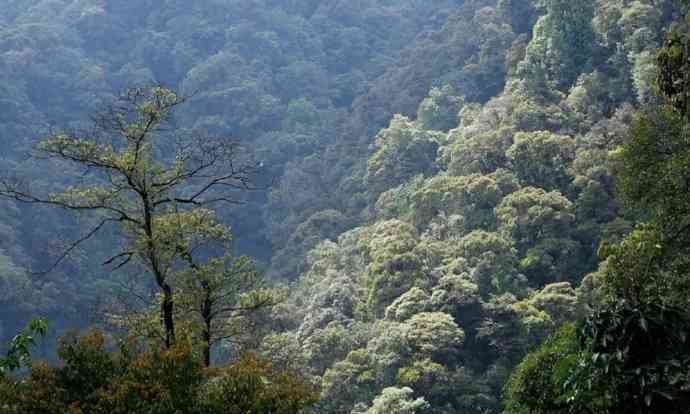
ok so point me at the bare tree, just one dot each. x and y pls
(160, 202)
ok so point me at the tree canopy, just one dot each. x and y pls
(429, 207)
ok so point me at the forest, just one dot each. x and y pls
(345, 206)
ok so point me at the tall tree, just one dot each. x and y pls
(156, 184)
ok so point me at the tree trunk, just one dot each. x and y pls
(167, 313)
(207, 344)
(167, 306)
(206, 314)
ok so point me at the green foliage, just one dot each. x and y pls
(93, 380)
(349, 381)
(322, 225)
(558, 300)
(644, 269)
(642, 352)
(540, 223)
(18, 352)
(301, 114)
(439, 111)
(483, 153)
(540, 159)
(631, 351)
(653, 166)
(473, 197)
(251, 386)
(398, 401)
(87, 367)
(332, 343)
(624, 359)
(394, 267)
(536, 385)
(300, 52)
(672, 61)
(435, 335)
(644, 74)
(545, 310)
(412, 302)
(590, 98)
(217, 296)
(492, 261)
(561, 43)
(404, 150)
(426, 256)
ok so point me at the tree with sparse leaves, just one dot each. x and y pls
(154, 183)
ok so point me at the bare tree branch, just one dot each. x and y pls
(9, 190)
(125, 256)
(74, 245)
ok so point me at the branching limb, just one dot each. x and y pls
(125, 258)
(76, 244)
(12, 191)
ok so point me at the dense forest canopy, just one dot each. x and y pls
(409, 206)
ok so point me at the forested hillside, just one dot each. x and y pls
(278, 76)
(452, 206)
